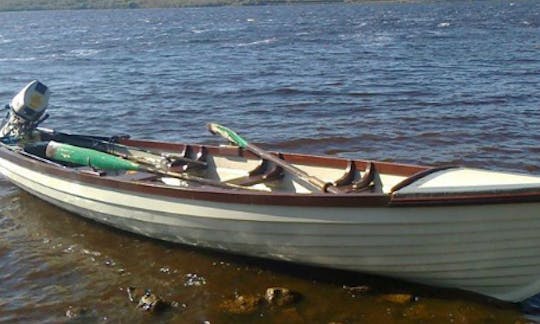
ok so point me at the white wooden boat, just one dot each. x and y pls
(450, 227)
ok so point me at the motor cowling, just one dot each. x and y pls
(26, 111)
(31, 102)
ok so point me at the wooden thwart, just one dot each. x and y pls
(189, 159)
(347, 184)
(264, 172)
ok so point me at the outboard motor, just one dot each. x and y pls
(26, 112)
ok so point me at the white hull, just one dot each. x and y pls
(490, 249)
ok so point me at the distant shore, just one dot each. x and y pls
(20, 5)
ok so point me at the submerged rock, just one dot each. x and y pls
(75, 312)
(150, 302)
(280, 296)
(247, 304)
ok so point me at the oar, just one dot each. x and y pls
(316, 183)
(88, 157)
(105, 144)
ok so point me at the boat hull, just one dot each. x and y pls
(492, 249)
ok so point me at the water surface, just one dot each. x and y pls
(430, 83)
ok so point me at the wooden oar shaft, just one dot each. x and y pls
(314, 182)
(188, 177)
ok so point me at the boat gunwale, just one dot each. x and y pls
(412, 172)
(508, 196)
(205, 193)
(248, 196)
(393, 168)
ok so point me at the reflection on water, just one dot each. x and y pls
(54, 263)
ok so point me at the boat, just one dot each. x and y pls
(449, 226)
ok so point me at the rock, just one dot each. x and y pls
(151, 303)
(109, 263)
(194, 280)
(75, 312)
(166, 270)
(397, 298)
(242, 304)
(280, 296)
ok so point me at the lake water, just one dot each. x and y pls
(429, 83)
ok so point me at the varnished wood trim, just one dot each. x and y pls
(259, 169)
(185, 152)
(506, 197)
(414, 172)
(262, 173)
(324, 161)
(202, 154)
(197, 154)
(366, 180)
(206, 193)
(262, 198)
(418, 176)
(348, 176)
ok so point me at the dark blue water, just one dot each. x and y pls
(426, 83)
(431, 83)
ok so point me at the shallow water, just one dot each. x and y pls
(431, 83)
(53, 262)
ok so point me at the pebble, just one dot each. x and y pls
(192, 279)
(110, 263)
(280, 296)
(75, 312)
(165, 270)
(92, 253)
(131, 294)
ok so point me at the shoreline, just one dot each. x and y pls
(29, 5)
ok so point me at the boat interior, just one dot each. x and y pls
(236, 168)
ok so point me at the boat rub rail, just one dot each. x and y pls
(367, 199)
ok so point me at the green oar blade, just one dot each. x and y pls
(83, 156)
(228, 134)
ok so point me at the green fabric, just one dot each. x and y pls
(84, 156)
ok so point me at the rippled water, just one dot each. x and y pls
(430, 83)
